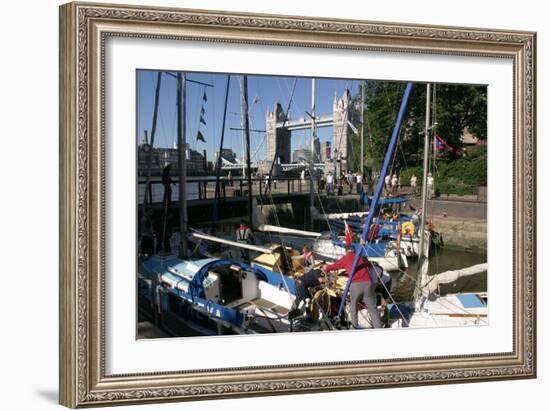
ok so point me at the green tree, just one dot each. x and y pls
(457, 108)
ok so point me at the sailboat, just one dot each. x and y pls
(428, 308)
(207, 296)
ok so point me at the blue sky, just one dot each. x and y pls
(268, 89)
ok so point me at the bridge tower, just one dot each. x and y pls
(343, 110)
(278, 138)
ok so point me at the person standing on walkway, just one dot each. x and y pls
(362, 286)
(359, 183)
(230, 178)
(413, 185)
(349, 179)
(387, 183)
(330, 183)
(394, 185)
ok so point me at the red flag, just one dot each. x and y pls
(349, 234)
(441, 144)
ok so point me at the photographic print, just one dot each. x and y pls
(317, 189)
(272, 204)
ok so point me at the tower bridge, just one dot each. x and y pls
(279, 132)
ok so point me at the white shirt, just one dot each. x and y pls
(413, 180)
(359, 178)
(330, 179)
(430, 181)
(387, 179)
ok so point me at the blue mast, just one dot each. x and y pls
(359, 249)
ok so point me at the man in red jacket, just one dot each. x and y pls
(361, 288)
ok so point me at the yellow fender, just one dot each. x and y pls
(407, 228)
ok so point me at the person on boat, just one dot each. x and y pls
(244, 236)
(309, 280)
(167, 184)
(413, 185)
(430, 185)
(307, 256)
(330, 183)
(362, 286)
(359, 183)
(147, 245)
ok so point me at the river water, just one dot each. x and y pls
(442, 260)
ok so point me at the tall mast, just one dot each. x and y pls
(362, 171)
(152, 144)
(422, 252)
(244, 109)
(182, 164)
(244, 116)
(313, 133)
(434, 119)
(360, 249)
(219, 159)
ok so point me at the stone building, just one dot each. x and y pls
(278, 138)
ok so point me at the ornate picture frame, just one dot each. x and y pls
(84, 29)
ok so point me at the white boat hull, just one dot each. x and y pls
(450, 311)
(328, 250)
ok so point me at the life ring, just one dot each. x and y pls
(407, 228)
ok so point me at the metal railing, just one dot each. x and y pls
(205, 188)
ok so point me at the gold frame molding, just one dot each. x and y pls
(84, 27)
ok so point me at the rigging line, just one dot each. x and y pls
(258, 146)
(317, 193)
(291, 102)
(289, 262)
(288, 91)
(265, 316)
(148, 188)
(392, 167)
(163, 124)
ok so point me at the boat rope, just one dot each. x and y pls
(266, 316)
